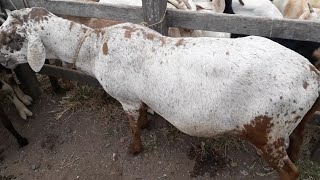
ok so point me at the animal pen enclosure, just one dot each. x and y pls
(155, 14)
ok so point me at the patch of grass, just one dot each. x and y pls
(309, 170)
(81, 98)
(225, 143)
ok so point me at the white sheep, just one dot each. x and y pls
(248, 86)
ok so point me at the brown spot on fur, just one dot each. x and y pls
(105, 48)
(257, 131)
(305, 85)
(99, 32)
(129, 31)
(12, 40)
(127, 34)
(38, 14)
(149, 36)
(163, 40)
(180, 42)
(71, 25)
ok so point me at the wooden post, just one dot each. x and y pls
(154, 12)
(28, 80)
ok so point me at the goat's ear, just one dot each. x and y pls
(36, 53)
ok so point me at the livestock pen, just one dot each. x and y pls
(290, 29)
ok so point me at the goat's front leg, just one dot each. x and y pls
(22, 109)
(137, 120)
(26, 99)
(8, 125)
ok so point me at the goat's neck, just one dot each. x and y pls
(62, 38)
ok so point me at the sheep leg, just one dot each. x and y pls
(22, 109)
(296, 137)
(275, 155)
(8, 125)
(137, 120)
(272, 149)
(144, 122)
(56, 88)
(20, 94)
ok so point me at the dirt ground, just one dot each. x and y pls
(90, 142)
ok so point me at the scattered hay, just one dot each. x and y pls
(309, 170)
(207, 160)
(81, 98)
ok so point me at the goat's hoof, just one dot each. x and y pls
(134, 149)
(27, 100)
(23, 142)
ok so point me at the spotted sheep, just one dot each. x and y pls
(251, 86)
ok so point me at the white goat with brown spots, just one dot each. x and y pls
(248, 86)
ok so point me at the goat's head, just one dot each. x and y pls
(20, 41)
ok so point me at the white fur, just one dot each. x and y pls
(256, 8)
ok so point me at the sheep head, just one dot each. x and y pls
(20, 41)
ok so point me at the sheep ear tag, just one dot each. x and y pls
(36, 52)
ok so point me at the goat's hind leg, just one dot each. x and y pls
(272, 149)
(274, 153)
(8, 125)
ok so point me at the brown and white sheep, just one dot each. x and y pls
(248, 86)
